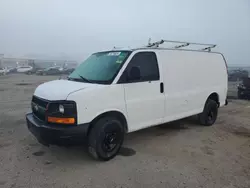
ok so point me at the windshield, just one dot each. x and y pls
(101, 67)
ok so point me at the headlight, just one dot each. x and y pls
(61, 109)
(62, 112)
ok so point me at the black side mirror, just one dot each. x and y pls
(134, 74)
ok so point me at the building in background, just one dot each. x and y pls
(14, 62)
(35, 63)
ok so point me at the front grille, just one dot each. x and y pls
(39, 107)
(41, 102)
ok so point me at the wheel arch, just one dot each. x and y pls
(114, 113)
(215, 97)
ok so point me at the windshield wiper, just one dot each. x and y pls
(82, 78)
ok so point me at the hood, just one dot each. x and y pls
(60, 89)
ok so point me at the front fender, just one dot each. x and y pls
(95, 101)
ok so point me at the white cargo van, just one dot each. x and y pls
(117, 92)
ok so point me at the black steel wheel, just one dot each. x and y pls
(105, 138)
(209, 114)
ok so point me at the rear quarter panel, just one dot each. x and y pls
(189, 78)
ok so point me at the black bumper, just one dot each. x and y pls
(51, 134)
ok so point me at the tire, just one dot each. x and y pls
(209, 114)
(105, 138)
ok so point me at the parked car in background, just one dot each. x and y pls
(24, 69)
(40, 72)
(49, 71)
(3, 71)
(237, 75)
(12, 70)
(244, 89)
(67, 70)
(32, 71)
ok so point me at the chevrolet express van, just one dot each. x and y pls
(121, 91)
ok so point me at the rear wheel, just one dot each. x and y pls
(209, 114)
(105, 138)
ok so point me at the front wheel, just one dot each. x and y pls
(105, 138)
(209, 114)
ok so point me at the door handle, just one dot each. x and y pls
(161, 87)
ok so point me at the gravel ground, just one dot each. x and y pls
(178, 154)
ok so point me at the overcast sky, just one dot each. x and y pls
(76, 28)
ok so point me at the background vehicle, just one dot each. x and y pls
(49, 71)
(11, 70)
(3, 71)
(244, 89)
(24, 69)
(32, 71)
(67, 70)
(116, 92)
(237, 75)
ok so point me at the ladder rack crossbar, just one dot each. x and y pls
(182, 44)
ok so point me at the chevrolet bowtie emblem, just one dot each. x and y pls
(36, 107)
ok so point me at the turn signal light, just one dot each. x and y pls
(61, 120)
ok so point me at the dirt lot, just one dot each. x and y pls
(179, 154)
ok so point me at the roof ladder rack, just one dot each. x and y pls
(182, 45)
(207, 47)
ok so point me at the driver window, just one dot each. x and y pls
(147, 63)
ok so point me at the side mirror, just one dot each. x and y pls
(134, 74)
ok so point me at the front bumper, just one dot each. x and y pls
(52, 134)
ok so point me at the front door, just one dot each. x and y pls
(144, 96)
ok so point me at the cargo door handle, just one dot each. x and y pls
(161, 87)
